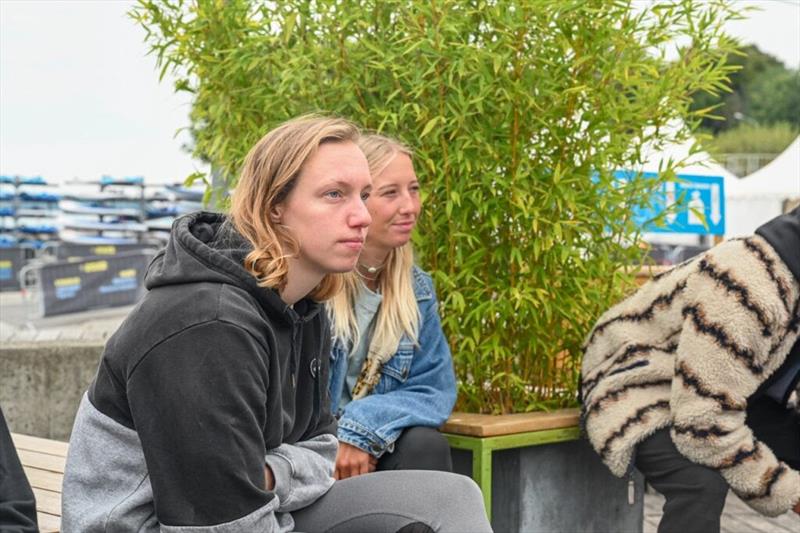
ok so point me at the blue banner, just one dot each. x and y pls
(700, 202)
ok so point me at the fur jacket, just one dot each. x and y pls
(685, 352)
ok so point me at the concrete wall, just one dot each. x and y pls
(41, 385)
(558, 488)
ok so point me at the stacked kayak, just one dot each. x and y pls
(28, 211)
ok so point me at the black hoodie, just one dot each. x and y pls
(207, 374)
(783, 234)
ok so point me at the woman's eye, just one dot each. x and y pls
(414, 188)
(364, 196)
(333, 194)
(390, 192)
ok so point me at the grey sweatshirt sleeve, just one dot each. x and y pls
(303, 471)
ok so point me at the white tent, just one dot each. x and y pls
(761, 195)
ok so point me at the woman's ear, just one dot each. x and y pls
(275, 214)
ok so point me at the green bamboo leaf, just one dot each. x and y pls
(428, 127)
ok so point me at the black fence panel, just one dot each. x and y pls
(73, 251)
(93, 282)
(12, 259)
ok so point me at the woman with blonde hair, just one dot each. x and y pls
(208, 411)
(392, 381)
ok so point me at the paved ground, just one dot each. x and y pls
(736, 518)
(18, 322)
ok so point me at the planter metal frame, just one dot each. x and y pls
(483, 447)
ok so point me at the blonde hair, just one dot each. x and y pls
(398, 313)
(270, 171)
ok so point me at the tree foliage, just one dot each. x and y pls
(762, 91)
(519, 112)
(753, 139)
(775, 98)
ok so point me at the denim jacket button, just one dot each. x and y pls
(314, 367)
(375, 448)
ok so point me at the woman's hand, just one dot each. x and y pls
(269, 478)
(351, 461)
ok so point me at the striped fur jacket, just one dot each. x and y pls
(686, 351)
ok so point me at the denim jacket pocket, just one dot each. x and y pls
(396, 370)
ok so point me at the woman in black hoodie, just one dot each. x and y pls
(209, 408)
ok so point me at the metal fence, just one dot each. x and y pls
(96, 282)
(76, 251)
(12, 260)
(745, 164)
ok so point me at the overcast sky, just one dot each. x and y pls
(79, 98)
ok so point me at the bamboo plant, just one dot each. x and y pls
(519, 112)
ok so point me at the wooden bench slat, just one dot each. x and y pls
(43, 461)
(476, 425)
(43, 479)
(37, 444)
(48, 501)
(48, 523)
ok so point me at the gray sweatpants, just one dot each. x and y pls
(385, 502)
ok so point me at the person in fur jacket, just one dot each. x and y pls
(689, 378)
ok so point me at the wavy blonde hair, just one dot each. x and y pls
(270, 171)
(398, 313)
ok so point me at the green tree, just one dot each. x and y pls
(762, 90)
(775, 97)
(519, 113)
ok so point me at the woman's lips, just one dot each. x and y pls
(353, 244)
(404, 226)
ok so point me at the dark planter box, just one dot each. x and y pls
(552, 487)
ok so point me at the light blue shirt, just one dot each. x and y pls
(366, 309)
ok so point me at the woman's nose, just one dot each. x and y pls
(408, 205)
(360, 216)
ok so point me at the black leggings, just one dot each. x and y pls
(695, 494)
(418, 448)
(776, 426)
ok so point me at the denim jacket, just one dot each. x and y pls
(417, 386)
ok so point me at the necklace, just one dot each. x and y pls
(371, 269)
(375, 271)
(365, 277)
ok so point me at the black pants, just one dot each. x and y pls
(418, 448)
(695, 494)
(17, 504)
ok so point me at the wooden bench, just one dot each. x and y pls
(484, 434)
(43, 461)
